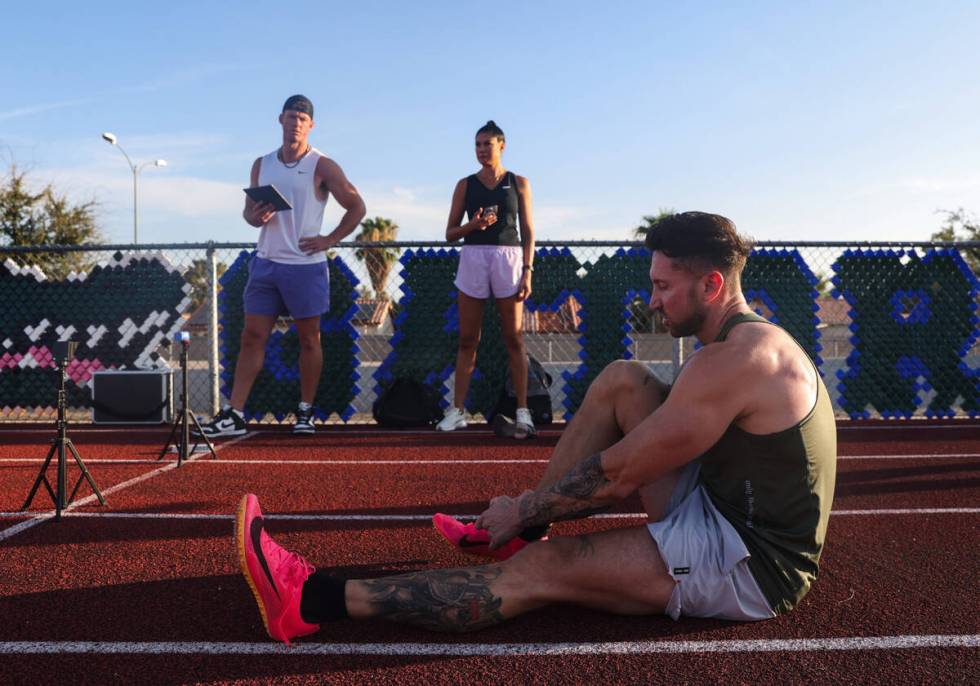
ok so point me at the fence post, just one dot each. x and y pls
(678, 355)
(213, 329)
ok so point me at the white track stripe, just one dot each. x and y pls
(804, 645)
(426, 517)
(39, 518)
(451, 462)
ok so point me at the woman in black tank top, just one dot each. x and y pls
(497, 258)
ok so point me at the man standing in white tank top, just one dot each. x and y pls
(289, 272)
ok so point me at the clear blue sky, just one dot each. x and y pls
(831, 120)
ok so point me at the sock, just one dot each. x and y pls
(534, 533)
(323, 598)
(227, 407)
(305, 406)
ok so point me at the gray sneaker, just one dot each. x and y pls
(304, 421)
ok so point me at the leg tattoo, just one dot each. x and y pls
(442, 599)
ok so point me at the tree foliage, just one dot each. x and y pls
(650, 221)
(379, 260)
(961, 225)
(197, 276)
(45, 217)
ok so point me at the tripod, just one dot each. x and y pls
(62, 445)
(182, 421)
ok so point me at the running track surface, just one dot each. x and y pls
(146, 590)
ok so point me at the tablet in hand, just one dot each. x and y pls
(269, 194)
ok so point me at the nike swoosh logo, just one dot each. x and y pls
(255, 532)
(465, 542)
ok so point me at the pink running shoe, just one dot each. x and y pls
(274, 574)
(475, 541)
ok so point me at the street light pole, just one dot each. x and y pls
(111, 140)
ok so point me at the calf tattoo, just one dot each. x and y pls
(440, 599)
(571, 497)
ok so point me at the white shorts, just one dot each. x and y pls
(486, 268)
(706, 557)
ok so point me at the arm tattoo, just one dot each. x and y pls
(439, 599)
(572, 497)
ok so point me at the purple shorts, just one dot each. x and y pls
(300, 290)
(490, 268)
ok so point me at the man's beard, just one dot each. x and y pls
(687, 327)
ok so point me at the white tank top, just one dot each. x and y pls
(279, 238)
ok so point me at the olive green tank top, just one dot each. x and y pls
(776, 490)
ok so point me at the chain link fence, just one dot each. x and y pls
(892, 327)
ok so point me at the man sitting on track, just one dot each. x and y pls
(734, 463)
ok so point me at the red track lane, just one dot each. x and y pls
(163, 580)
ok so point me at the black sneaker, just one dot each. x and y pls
(304, 421)
(226, 423)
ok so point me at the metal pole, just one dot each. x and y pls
(678, 355)
(213, 329)
(136, 206)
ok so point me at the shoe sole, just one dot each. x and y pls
(243, 561)
(506, 428)
(302, 432)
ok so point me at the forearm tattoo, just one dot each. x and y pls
(573, 496)
(440, 599)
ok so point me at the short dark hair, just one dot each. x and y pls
(698, 240)
(491, 128)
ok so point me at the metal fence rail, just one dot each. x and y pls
(892, 326)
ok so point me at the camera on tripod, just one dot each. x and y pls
(61, 446)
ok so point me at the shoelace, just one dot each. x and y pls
(291, 565)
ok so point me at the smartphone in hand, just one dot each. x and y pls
(491, 210)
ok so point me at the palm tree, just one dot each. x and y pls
(379, 260)
(650, 221)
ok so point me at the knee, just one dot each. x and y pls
(310, 343)
(514, 342)
(540, 567)
(623, 377)
(469, 342)
(253, 338)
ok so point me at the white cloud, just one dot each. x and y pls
(37, 109)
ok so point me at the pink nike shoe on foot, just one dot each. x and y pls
(475, 541)
(274, 574)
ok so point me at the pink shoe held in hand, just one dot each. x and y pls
(274, 574)
(475, 541)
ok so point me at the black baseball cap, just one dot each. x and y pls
(300, 103)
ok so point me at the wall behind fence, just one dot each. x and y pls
(893, 329)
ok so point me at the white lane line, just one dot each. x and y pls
(36, 519)
(452, 462)
(427, 517)
(801, 645)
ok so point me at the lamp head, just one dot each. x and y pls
(161, 163)
(109, 138)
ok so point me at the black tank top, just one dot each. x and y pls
(504, 196)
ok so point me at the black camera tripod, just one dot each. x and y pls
(183, 419)
(62, 445)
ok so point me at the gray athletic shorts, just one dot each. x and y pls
(706, 557)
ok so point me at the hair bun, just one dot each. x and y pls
(491, 122)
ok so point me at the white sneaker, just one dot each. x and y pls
(454, 419)
(523, 424)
